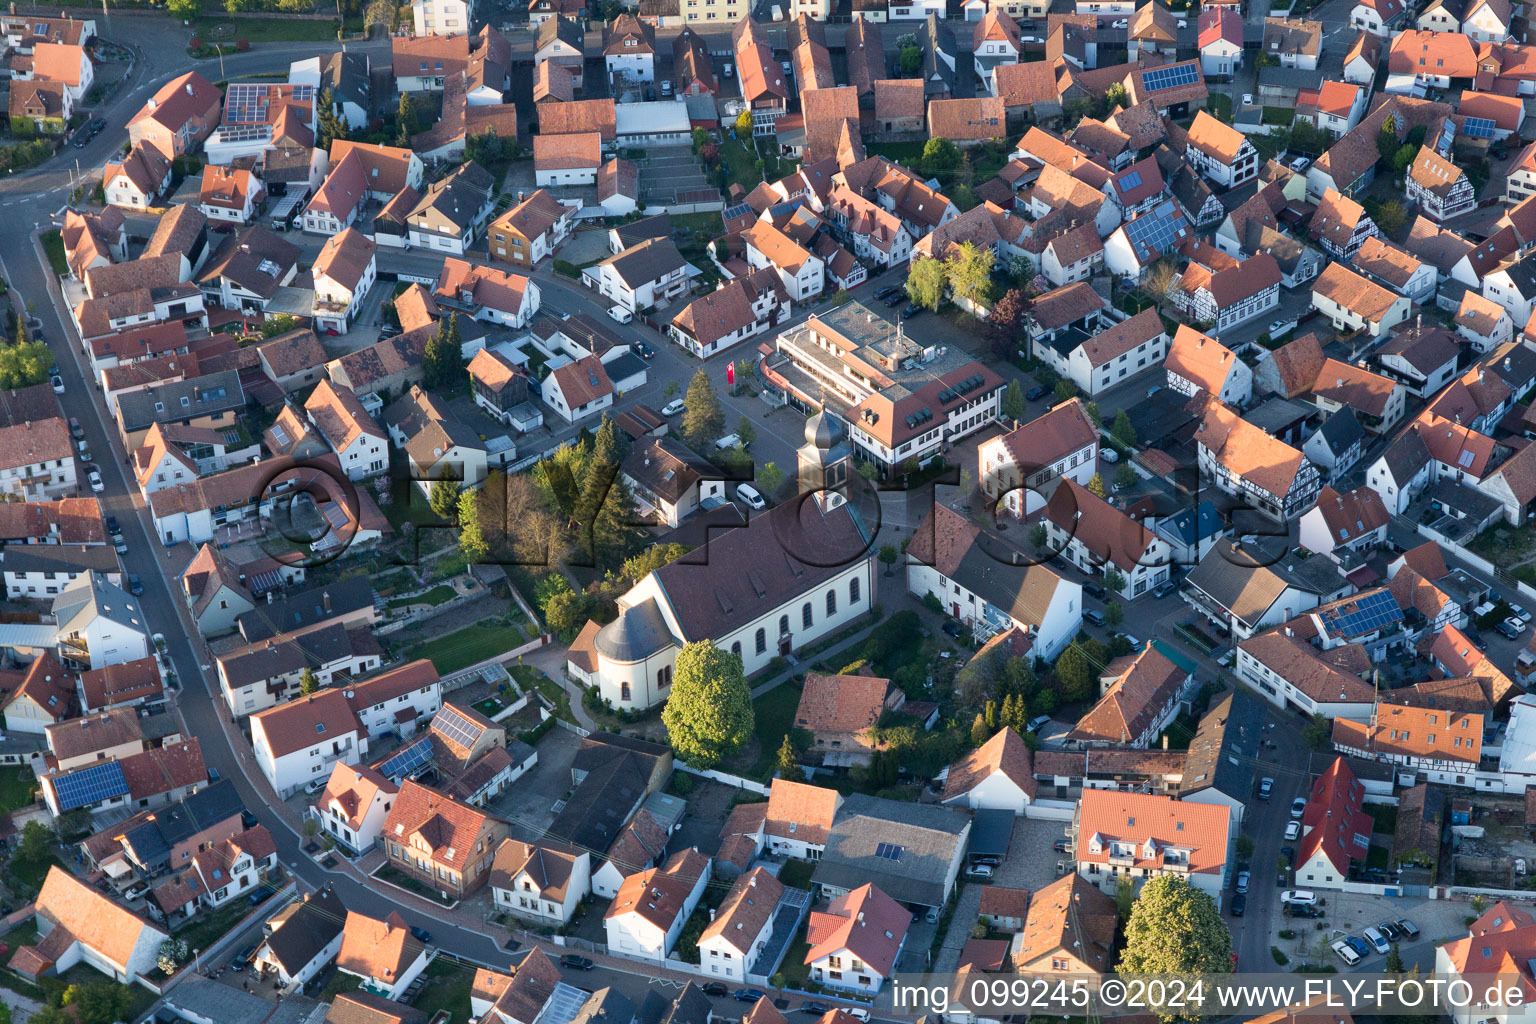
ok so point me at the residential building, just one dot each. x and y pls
(1137, 836)
(1141, 694)
(343, 273)
(857, 940)
(1439, 745)
(178, 117)
(1352, 302)
(998, 775)
(297, 743)
(530, 229)
(1069, 927)
(1199, 363)
(648, 914)
(76, 924)
(799, 819)
(1288, 670)
(1228, 292)
(383, 955)
(739, 933)
(652, 273)
(738, 310)
(1439, 186)
(1345, 527)
(442, 17)
(439, 841)
(354, 805)
(542, 882)
(1098, 538)
(1220, 38)
(1017, 468)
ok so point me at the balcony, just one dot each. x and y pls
(1123, 860)
(1176, 867)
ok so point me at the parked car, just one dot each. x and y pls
(1163, 589)
(896, 299)
(890, 290)
(96, 484)
(1475, 635)
(715, 989)
(1241, 884)
(1061, 846)
(748, 995)
(812, 1006)
(1131, 639)
(75, 429)
(1358, 944)
(575, 961)
(120, 544)
(858, 1013)
(981, 871)
(315, 787)
(1095, 591)
(749, 496)
(1390, 930)
(1298, 807)
(673, 407)
(1293, 830)
(135, 585)
(58, 384)
(1297, 910)
(954, 628)
(1039, 722)
(1036, 393)
(1345, 952)
(1300, 897)
(1094, 616)
(642, 349)
(1408, 928)
(1238, 904)
(1377, 941)
(1109, 455)
(135, 890)
(911, 311)
(1521, 614)
(729, 441)
(620, 314)
(1511, 628)
(1266, 787)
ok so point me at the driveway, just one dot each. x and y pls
(530, 805)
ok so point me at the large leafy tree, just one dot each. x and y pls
(940, 155)
(1175, 929)
(1005, 323)
(969, 271)
(406, 124)
(1078, 669)
(331, 126)
(925, 283)
(444, 497)
(703, 419)
(604, 516)
(709, 714)
(25, 364)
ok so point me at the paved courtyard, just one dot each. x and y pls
(530, 805)
(1352, 913)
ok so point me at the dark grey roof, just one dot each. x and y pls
(564, 29)
(667, 467)
(67, 558)
(1290, 78)
(1523, 275)
(614, 773)
(256, 259)
(1514, 364)
(658, 225)
(936, 38)
(1406, 456)
(648, 261)
(151, 837)
(259, 662)
(991, 832)
(605, 1006)
(181, 400)
(346, 75)
(461, 197)
(1226, 747)
(307, 607)
(638, 632)
(691, 1007)
(312, 926)
(206, 999)
(1277, 414)
(868, 830)
(1342, 430)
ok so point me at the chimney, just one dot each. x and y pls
(325, 600)
(711, 914)
(189, 88)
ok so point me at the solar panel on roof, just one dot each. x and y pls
(1371, 612)
(456, 727)
(1480, 127)
(90, 786)
(1170, 77)
(1130, 180)
(407, 762)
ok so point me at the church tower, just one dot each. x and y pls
(825, 462)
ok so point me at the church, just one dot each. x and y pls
(796, 573)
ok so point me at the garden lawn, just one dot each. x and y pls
(32, 872)
(268, 30)
(533, 679)
(908, 153)
(447, 988)
(468, 646)
(436, 596)
(206, 929)
(741, 163)
(1220, 106)
(17, 784)
(53, 245)
(775, 711)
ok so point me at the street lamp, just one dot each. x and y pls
(197, 961)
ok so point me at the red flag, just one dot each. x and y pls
(730, 373)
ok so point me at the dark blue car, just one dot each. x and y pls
(748, 995)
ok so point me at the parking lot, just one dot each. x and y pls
(1350, 914)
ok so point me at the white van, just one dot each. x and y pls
(728, 441)
(620, 314)
(749, 496)
(1345, 953)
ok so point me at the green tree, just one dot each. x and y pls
(1318, 732)
(1113, 613)
(789, 762)
(1065, 391)
(1115, 96)
(1114, 579)
(909, 59)
(18, 329)
(651, 559)
(442, 361)
(308, 682)
(1039, 536)
(1122, 430)
(709, 714)
(565, 612)
(23, 365)
(186, 10)
(1125, 476)
(1386, 138)
(444, 497)
(1096, 485)
(703, 419)
(280, 323)
(1078, 667)
(472, 537)
(1394, 960)
(329, 124)
(979, 731)
(888, 556)
(1390, 216)
(604, 513)
(1125, 900)
(36, 842)
(1244, 847)
(968, 269)
(746, 431)
(700, 136)
(1014, 406)
(770, 477)
(485, 148)
(379, 12)
(406, 124)
(1175, 928)
(744, 125)
(925, 283)
(939, 155)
